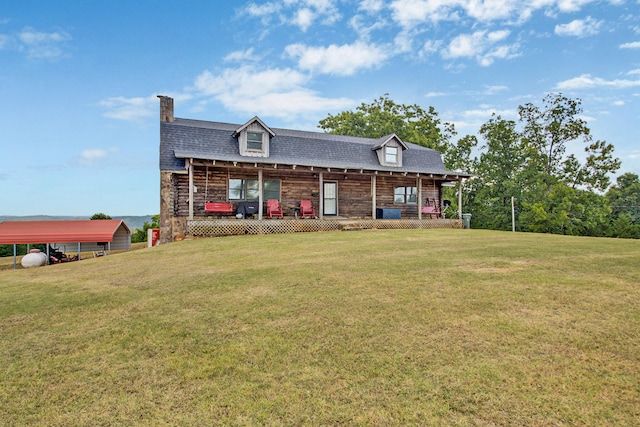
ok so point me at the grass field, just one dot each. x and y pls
(394, 327)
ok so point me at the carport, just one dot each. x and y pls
(86, 235)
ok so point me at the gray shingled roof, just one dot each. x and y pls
(185, 138)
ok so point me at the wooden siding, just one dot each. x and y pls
(354, 192)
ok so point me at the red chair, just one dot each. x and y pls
(274, 208)
(431, 209)
(306, 209)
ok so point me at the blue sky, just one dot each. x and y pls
(79, 129)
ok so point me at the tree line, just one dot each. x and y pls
(528, 167)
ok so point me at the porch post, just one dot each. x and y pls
(260, 195)
(460, 198)
(15, 256)
(191, 189)
(420, 198)
(373, 196)
(321, 193)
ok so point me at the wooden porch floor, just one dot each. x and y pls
(232, 227)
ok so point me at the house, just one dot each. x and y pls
(235, 168)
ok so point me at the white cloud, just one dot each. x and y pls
(262, 10)
(303, 18)
(365, 25)
(572, 5)
(130, 109)
(340, 60)
(93, 153)
(241, 56)
(245, 81)
(466, 45)
(631, 45)
(40, 45)
(301, 13)
(409, 13)
(485, 111)
(490, 10)
(490, 90)
(469, 121)
(579, 28)
(618, 103)
(585, 81)
(90, 156)
(267, 92)
(371, 6)
(480, 45)
(429, 47)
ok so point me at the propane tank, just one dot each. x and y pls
(34, 258)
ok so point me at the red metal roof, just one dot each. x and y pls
(59, 231)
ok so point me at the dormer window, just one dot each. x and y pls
(389, 150)
(254, 141)
(391, 155)
(254, 138)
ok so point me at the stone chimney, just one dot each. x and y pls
(166, 108)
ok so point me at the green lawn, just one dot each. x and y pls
(394, 327)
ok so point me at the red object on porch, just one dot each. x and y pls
(431, 209)
(274, 208)
(218, 207)
(306, 209)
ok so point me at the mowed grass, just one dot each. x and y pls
(394, 327)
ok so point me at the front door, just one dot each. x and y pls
(330, 198)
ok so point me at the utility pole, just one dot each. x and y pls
(513, 215)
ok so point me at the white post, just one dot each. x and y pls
(420, 198)
(321, 194)
(260, 195)
(513, 215)
(460, 199)
(191, 189)
(373, 196)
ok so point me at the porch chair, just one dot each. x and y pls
(431, 209)
(306, 209)
(274, 208)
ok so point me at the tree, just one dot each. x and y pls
(549, 131)
(100, 216)
(567, 211)
(140, 235)
(499, 174)
(410, 123)
(624, 197)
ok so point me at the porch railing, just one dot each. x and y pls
(231, 227)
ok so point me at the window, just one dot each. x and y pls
(247, 189)
(405, 195)
(391, 155)
(271, 189)
(254, 141)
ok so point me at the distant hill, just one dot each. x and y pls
(132, 222)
